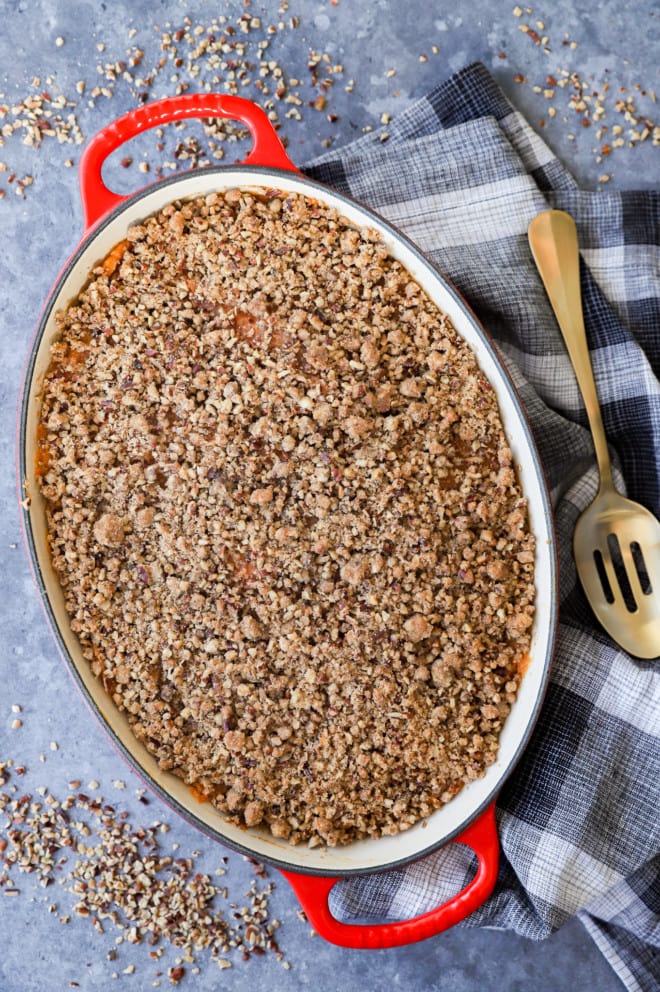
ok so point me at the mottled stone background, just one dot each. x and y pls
(423, 42)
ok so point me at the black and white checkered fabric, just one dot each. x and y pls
(463, 174)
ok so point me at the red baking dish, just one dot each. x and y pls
(470, 817)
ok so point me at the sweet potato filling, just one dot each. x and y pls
(285, 517)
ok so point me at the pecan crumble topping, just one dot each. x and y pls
(285, 516)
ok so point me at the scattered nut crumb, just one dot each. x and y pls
(196, 56)
(134, 883)
(592, 100)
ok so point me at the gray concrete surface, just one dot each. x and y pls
(615, 43)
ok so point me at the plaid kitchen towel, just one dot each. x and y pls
(463, 174)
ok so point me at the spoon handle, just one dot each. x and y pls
(553, 240)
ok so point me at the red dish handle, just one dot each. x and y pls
(267, 149)
(313, 893)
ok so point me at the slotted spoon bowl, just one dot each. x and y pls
(616, 542)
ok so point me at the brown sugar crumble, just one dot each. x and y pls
(286, 518)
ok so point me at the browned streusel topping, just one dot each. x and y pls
(285, 517)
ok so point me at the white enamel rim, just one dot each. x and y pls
(360, 857)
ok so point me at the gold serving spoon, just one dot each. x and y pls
(616, 543)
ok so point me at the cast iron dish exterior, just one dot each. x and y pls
(469, 817)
